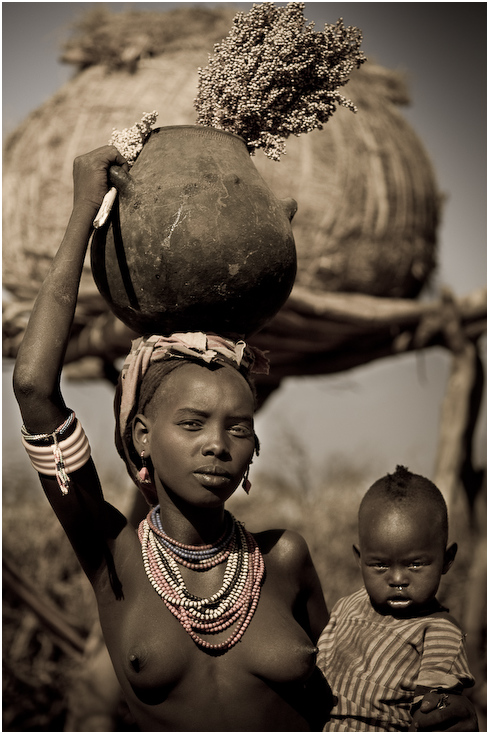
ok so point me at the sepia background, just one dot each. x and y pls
(324, 438)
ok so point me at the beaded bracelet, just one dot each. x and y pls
(55, 457)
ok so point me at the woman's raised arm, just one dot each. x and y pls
(40, 359)
(55, 442)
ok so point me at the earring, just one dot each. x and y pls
(144, 477)
(246, 482)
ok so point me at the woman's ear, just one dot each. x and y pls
(140, 433)
(450, 554)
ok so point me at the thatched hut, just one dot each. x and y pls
(368, 202)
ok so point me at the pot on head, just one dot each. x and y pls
(196, 241)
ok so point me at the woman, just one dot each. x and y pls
(209, 627)
(190, 421)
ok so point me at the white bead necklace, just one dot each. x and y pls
(235, 601)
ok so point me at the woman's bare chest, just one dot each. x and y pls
(154, 651)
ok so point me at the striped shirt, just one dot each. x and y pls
(374, 662)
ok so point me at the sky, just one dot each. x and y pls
(387, 412)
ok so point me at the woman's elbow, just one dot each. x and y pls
(28, 386)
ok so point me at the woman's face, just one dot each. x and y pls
(199, 433)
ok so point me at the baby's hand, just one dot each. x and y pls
(90, 176)
(444, 712)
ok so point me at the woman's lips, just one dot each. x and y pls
(212, 476)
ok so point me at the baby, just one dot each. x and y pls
(388, 644)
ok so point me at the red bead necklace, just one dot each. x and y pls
(236, 600)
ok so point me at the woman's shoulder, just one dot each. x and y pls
(283, 546)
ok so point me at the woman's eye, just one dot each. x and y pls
(240, 431)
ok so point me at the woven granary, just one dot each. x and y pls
(368, 204)
(368, 201)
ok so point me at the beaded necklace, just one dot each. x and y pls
(238, 596)
(198, 558)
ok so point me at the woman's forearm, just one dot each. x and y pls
(40, 358)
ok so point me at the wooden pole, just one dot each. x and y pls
(48, 614)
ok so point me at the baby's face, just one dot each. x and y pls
(402, 559)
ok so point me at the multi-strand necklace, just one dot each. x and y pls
(236, 600)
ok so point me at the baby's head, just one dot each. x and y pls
(402, 551)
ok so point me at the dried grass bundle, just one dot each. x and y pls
(274, 75)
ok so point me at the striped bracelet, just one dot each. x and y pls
(59, 457)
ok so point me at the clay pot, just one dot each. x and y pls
(196, 240)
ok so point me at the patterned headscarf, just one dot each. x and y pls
(190, 346)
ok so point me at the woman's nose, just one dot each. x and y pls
(215, 443)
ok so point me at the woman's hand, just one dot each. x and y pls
(456, 713)
(90, 176)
